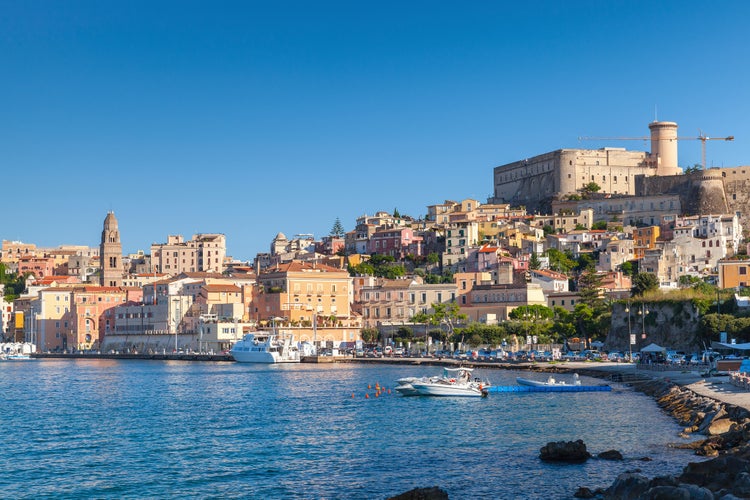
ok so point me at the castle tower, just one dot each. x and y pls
(664, 147)
(110, 253)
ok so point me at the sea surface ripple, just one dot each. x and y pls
(156, 429)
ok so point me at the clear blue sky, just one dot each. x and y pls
(251, 118)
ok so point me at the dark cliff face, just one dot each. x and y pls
(672, 325)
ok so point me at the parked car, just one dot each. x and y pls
(616, 357)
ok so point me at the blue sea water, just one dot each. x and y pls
(161, 429)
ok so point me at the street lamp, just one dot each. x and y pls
(631, 340)
(642, 313)
(176, 321)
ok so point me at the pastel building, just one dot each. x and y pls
(202, 253)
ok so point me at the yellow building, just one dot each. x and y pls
(644, 238)
(298, 290)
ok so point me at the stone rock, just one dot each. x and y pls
(715, 474)
(627, 487)
(681, 492)
(433, 493)
(584, 492)
(610, 455)
(564, 451)
(719, 426)
(741, 485)
(710, 417)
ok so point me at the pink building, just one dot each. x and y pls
(38, 266)
(396, 242)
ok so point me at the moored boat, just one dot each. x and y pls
(265, 347)
(550, 382)
(453, 382)
(16, 357)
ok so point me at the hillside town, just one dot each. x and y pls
(565, 252)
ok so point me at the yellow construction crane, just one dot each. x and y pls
(701, 137)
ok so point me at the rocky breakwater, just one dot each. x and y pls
(727, 429)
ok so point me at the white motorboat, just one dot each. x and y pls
(454, 382)
(550, 382)
(16, 357)
(265, 347)
(406, 388)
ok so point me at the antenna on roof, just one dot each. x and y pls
(656, 114)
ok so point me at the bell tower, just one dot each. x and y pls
(110, 253)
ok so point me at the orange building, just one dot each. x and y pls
(734, 273)
(644, 238)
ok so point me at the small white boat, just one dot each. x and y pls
(550, 382)
(454, 382)
(16, 357)
(265, 347)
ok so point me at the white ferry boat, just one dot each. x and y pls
(265, 347)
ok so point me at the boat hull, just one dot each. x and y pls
(454, 390)
(266, 350)
(259, 357)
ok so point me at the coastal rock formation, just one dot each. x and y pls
(564, 451)
(433, 493)
(727, 428)
(610, 455)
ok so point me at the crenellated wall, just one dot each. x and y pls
(712, 191)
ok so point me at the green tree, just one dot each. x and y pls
(590, 188)
(433, 258)
(599, 225)
(534, 262)
(396, 214)
(559, 261)
(691, 170)
(405, 333)
(536, 311)
(686, 281)
(548, 229)
(369, 335)
(644, 282)
(337, 230)
(627, 268)
(590, 288)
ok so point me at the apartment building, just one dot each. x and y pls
(615, 252)
(202, 253)
(39, 267)
(14, 250)
(395, 242)
(298, 291)
(459, 238)
(734, 273)
(399, 300)
(497, 301)
(644, 238)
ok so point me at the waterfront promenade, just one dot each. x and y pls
(715, 387)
